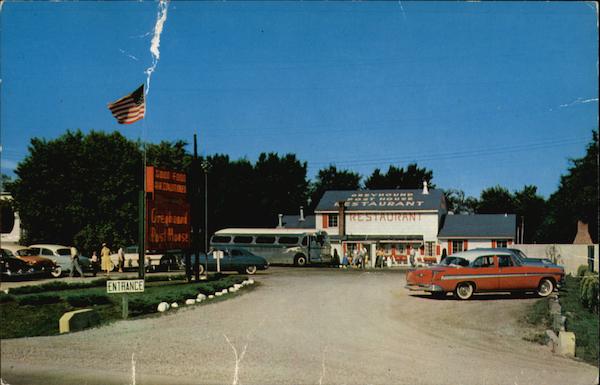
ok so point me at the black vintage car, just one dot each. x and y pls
(14, 268)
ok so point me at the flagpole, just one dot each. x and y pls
(142, 203)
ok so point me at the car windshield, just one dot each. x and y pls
(454, 261)
(25, 252)
(66, 252)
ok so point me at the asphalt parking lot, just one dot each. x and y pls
(306, 326)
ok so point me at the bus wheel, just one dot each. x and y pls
(300, 260)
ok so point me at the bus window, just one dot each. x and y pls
(242, 239)
(288, 240)
(221, 239)
(320, 239)
(304, 241)
(265, 239)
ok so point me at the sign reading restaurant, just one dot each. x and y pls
(382, 199)
(384, 217)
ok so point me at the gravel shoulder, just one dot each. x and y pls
(305, 326)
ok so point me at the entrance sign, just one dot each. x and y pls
(125, 286)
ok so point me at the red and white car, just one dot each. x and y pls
(485, 270)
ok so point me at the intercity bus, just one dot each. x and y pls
(279, 246)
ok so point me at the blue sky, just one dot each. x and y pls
(481, 93)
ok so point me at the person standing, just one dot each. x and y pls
(121, 255)
(94, 261)
(413, 254)
(106, 262)
(75, 263)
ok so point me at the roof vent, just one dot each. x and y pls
(301, 214)
(280, 225)
(425, 189)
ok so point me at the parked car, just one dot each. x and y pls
(152, 259)
(234, 259)
(485, 270)
(13, 268)
(29, 256)
(61, 255)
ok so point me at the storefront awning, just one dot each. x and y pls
(378, 238)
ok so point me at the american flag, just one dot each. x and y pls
(130, 108)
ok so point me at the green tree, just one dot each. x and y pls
(576, 199)
(331, 178)
(531, 210)
(79, 189)
(398, 178)
(168, 155)
(281, 186)
(459, 203)
(495, 200)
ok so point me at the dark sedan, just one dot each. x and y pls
(233, 259)
(14, 268)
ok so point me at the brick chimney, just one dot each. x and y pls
(583, 234)
(342, 218)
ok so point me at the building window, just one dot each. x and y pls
(502, 243)
(333, 220)
(457, 246)
(429, 249)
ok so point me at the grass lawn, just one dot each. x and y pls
(580, 321)
(36, 313)
(539, 317)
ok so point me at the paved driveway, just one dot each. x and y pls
(305, 326)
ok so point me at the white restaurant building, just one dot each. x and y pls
(397, 221)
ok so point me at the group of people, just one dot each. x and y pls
(357, 258)
(104, 263)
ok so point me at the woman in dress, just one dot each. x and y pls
(106, 262)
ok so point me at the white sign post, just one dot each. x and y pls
(218, 255)
(125, 286)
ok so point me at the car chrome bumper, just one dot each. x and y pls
(421, 287)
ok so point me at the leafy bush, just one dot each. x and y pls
(581, 270)
(160, 278)
(4, 298)
(57, 286)
(588, 292)
(139, 306)
(42, 299)
(89, 299)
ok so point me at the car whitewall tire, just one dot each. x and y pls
(251, 270)
(464, 290)
(56, 273)
(545, 288)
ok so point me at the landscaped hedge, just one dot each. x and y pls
(57, 286)
(89, 299)
(582, 270)
(588, 291)
(38, 313)
(4, 298)
(41, 299)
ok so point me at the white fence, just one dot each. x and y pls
(569, 256)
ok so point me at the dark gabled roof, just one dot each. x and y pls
(382, 200)
(294, 222)
(479, 225)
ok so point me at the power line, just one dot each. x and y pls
(454, 155)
